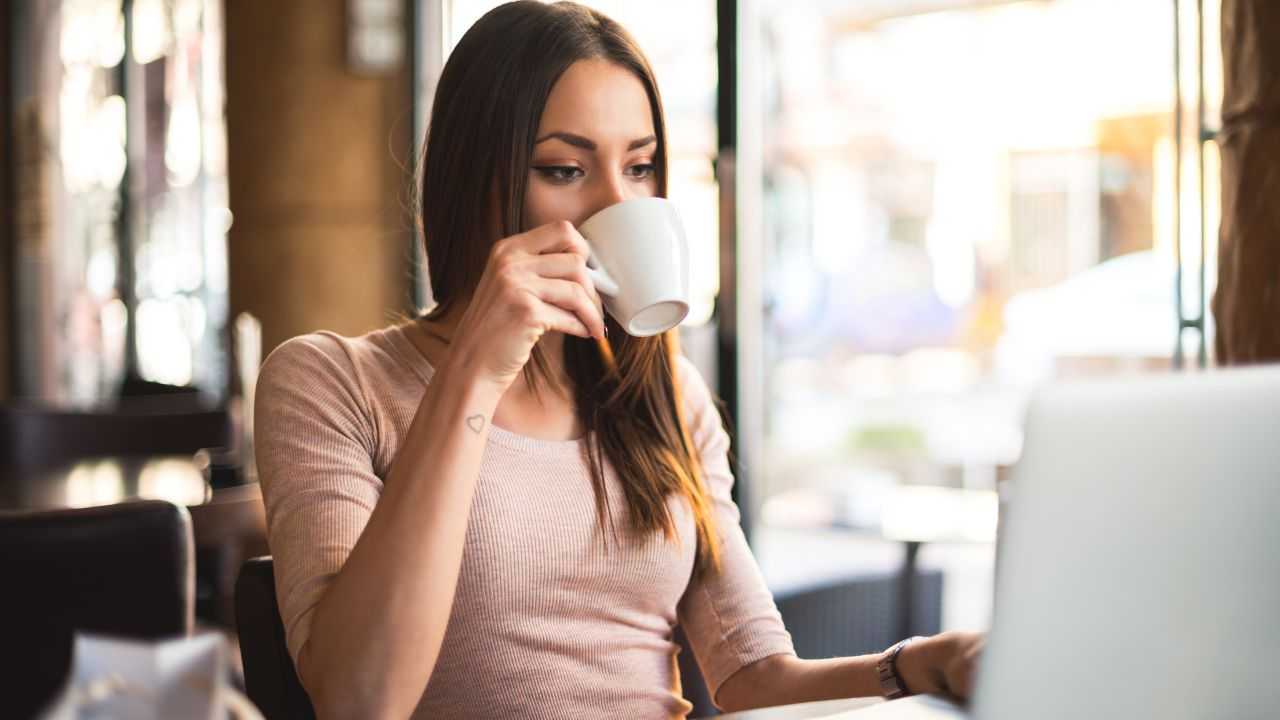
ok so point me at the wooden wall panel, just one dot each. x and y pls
(317, 164)
(6, 210)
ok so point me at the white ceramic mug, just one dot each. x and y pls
(640, 264)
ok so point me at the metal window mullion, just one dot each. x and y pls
(127, 279)
(1203, 136)
(430, 47)
(1202, 357)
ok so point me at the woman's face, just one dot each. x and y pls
(595, 145)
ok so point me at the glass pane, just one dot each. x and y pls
(69, 120)
(180, 198)
(959, 203)
(90, 113)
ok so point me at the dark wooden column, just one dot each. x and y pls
(6, 206)
(1246, 306)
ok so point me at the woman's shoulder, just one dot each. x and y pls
(315, 356)
(693, 385)
(700, 402)
(339, 367)
(308, 349)
(380, 349)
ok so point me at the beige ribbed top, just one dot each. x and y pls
(545, 623)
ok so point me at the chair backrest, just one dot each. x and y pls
(691, 683)
(126, 570)
(229, 528)
(32, 435)
(270, 679)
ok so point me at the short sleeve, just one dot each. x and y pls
(314, 447)
(729, 616)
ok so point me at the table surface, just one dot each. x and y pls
(803, 711)
(89, 482)
(919, 707)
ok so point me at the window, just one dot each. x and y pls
(121, 247)
(960, 200)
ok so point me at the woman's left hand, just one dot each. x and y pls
(944, 664)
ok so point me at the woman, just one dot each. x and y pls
(502, 508)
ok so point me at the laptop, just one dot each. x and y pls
(1138, 570)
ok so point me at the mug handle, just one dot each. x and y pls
(605, 285)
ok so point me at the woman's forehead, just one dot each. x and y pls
(599, 100)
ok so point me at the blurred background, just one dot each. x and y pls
(905, 215)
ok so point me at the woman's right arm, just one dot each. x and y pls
(377, 628)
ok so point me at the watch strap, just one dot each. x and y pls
(891, 684)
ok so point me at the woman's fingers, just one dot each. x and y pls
(962, 669)
(566, 266)
(573, 298)
(556, 237)
(563, 321)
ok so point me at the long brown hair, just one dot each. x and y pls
(484, 120)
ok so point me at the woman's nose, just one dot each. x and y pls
(611, 192)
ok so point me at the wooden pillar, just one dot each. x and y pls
(1246, 306)
(318, 160)
(6, 208)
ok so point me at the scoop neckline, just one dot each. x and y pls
(418, 363)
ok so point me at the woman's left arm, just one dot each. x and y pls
(733, 626)
(939, 665)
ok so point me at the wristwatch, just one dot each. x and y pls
(891, 684)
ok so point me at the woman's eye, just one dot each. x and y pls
(642, 171)
(559, 173)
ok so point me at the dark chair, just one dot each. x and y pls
(270, 679)
(32, 436)
(858, 612)
(272, 682)
(229, 529)
(125, 570)
(691, 682)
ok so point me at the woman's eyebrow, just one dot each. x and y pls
(647, 140)
(588, 144)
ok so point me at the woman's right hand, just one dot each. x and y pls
(533, 283)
